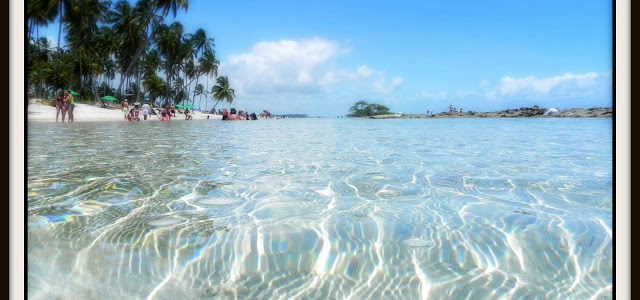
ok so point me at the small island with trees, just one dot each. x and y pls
(363, 109)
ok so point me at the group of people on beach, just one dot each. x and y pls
(169, 112)
(65, 104)
(232, 115)
(165, 114)
(133, 114)
(453, 109)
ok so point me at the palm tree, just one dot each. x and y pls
(149, 20)
(198, 91)
(41, 13)
(57, 72)
(166, 6)
(155, 86)
(200, 41)
(221, 91)
(170, 46)
(81, 21)
(208, 64)
(126, 23)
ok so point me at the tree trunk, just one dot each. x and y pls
(133, 61)
(206, 101)
(214, 106)
(60, 8)
(193, 102)
(138, 83)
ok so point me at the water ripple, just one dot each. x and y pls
(308, 209)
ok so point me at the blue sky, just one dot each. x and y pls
(321, 57)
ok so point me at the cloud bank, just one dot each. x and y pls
(304, 67)
(565, 86)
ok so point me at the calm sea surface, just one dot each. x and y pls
(321, 209)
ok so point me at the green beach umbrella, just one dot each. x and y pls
(74, 93)
(188, 106)
(109, 98)
(180, 106)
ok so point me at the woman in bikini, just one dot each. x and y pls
(59, 105)
(65, 104)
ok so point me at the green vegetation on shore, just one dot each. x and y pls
(364, 109)
(121, 49)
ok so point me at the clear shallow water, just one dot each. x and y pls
(321, 208)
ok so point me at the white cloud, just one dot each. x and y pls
(566, 84)
(364, 71)
(433, 95)
(299, 67)
(380, 85)
(282, 66)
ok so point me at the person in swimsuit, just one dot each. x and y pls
(165, 114)
(146, 110)
(59, 105)
(71, 105)
(167, 111)
(125, 105)
(65, 105)
(134, 114)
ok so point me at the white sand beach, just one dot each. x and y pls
(40, 112)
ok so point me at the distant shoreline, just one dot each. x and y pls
(595, 112)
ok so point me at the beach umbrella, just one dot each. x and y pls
(188, 106)
(109, 98)
(74, 93)
(179, 106)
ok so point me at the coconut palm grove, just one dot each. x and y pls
(116, 48)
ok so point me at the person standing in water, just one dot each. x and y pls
(65, 104)
(125, 105)
(59, 105)
(146, 110)
(72, 104)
